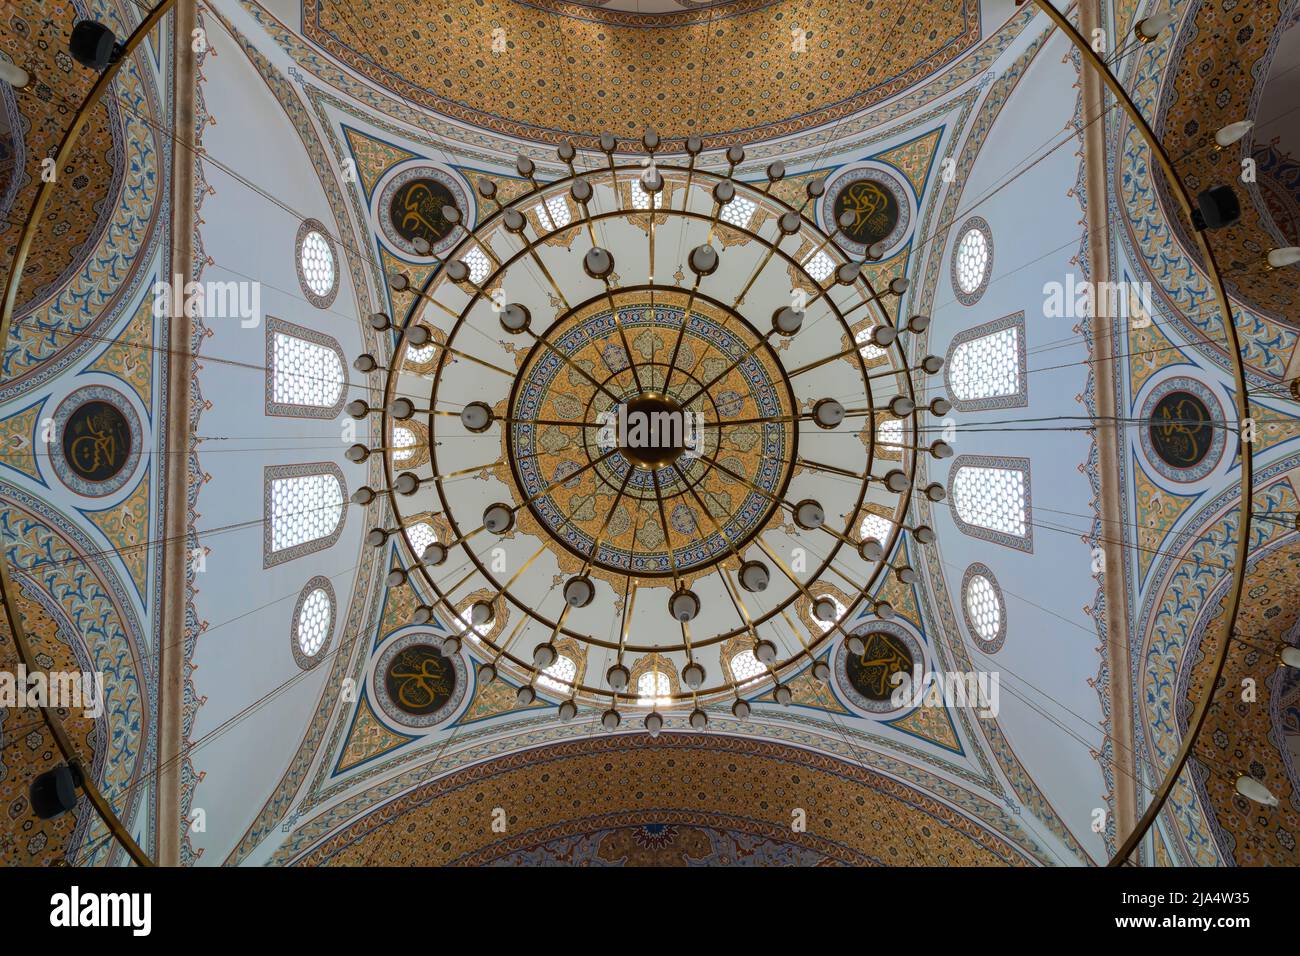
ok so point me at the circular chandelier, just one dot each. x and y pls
(652, 417)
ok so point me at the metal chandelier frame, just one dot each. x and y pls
(693, 177)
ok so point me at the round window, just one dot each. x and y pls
(318, 272)
(972, 260)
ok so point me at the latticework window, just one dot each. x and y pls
(739, 211)
(869, 351)
(314, 621)
(560, 675)
(421, 535)
(304, 510)
(745, 667)
(304, 371)
(404, 442)
(990, 499)
(972, 260)
(479, 264)
(986, 365)
(554, 213)
(654, 687)
(316, 264)
(874, 526)
(985, 611)
(421, 355)
(890, 432)
(819, 265)
(983, 606)
(640, 198)
(317, 261)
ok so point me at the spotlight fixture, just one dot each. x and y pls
(1216, 208)
(617, 677)
(684, 606)
(693, 675)
(54, 792)
(498, 518)
(94, 45)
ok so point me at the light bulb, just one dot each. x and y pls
(1232, 132)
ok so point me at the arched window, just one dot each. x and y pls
(403, 443)
(560, 676)
(984, 609)
(654, 687)
(890, 432)
(564, 674)
(972, 260)
(819, 265)
(655, 680)
(869, 351)
(421, 354)
(420, 535)
(640, 198)
(985, 367)
(739, 211)
(990, 499)
(875, 526)
(313, 620)
(302, 510)
(305, 375)
(479, 264)
(745, 667)
(410, 444)
(554, 213)
(317, 264)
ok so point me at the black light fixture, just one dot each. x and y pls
(54, 792)
(94, 45)
(1217, 207)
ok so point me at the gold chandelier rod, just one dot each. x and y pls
(1244, 509)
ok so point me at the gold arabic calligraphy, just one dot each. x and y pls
(872, 208)
(94, 447)
(1179, 427)
(417, 210)
(419, 679)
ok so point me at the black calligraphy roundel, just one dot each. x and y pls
(419, 680)
(1181, 429)
(873, 207)
(96, 441)
(416, 210)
